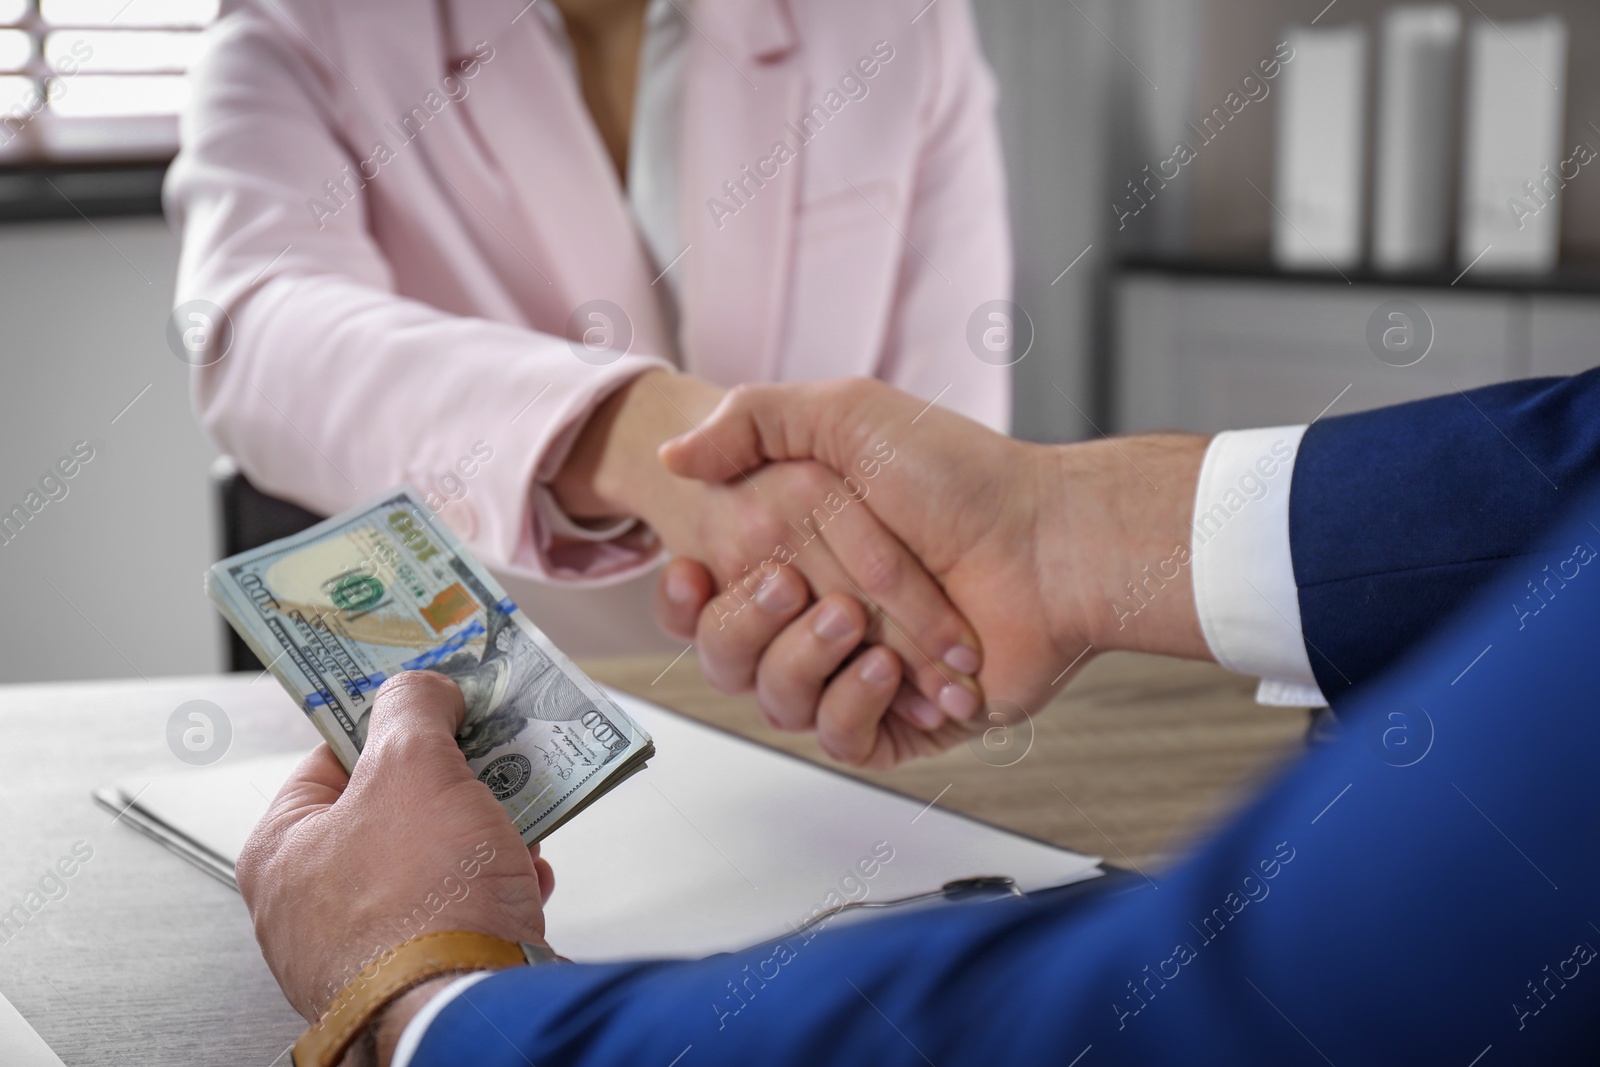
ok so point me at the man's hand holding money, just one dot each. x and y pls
(342, 869)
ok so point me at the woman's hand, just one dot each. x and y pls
(774, 541)
(341, 869)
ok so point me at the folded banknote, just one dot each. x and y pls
(386, 588)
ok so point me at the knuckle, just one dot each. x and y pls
(757, 529)
(254, 859)
(725, 683)
(782, 697)
(841, 747)
(766, 529)
(817, 481)
(856, 387)
(413, 685)
(880, 570)
(841, 736)
(843, 388)
(829, 742)
(772, 711)
(676, 621)
(725, 669)
(673, 624)
(400, 745)
(743, 394)
(412, 703)
(720, 631)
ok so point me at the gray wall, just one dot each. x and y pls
(1051, 67)
(104, 582)
(1090, 92)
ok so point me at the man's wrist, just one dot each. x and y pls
(382, 1039)
(1115, 542)
(392, 1022)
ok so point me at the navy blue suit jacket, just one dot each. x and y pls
(1398, 516)
(1425, 889)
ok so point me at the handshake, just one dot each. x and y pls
(909, 565)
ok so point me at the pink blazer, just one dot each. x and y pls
(400, 204)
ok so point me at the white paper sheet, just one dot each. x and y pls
(20, 1044)
(717, 845)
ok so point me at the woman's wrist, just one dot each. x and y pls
(612, 471)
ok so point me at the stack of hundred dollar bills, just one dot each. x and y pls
(386, 588)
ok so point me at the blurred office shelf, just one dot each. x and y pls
(1579, 277)
(1212, 344)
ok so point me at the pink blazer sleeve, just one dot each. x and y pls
(958, 235)
(336, 387)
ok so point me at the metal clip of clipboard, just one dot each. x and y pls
(997, 885)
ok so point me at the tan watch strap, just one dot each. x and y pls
(401, 968)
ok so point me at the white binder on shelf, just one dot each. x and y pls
(1321, 159)
(1415, 167)
(718, 845)
(1512, 159)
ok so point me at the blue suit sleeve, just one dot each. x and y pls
(1423, 890)
(1398, 516)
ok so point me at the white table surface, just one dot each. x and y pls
(144, 959)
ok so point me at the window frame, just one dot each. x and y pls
(39, 140)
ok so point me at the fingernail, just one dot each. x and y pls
(876, 670)
(679, 589)
(924, 714)
(776, 597)
(958, 701)
(963, 659)
(834, 623)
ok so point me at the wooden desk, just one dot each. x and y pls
(146, 960)
(1151, 751)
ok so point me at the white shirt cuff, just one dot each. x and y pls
(1244, 588)
(411, 1036)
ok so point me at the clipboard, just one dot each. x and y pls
(721, 844)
